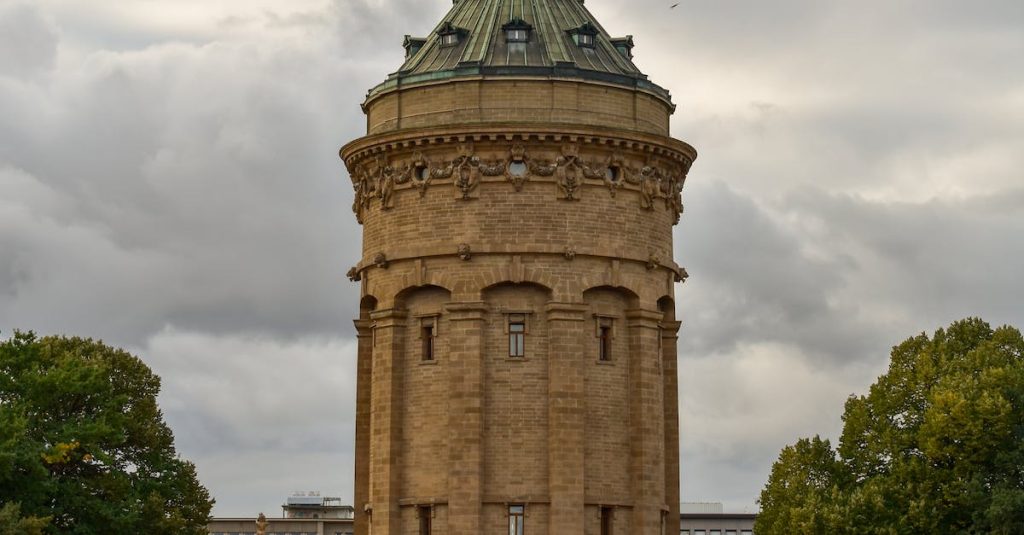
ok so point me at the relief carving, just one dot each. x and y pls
(569, 173)
(570, 253)
(354, 275)
(466, 168)
(649, 186)
(518, 169)
(421, 172)
(364, 191)
(381, 260)
(465, 253)
(655, 180)
(385, 182)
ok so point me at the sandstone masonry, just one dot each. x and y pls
(517, 337)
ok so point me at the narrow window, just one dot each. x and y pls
(516, 36)
(586, 40)
(604, 336)
(517, 335)
(424, 514)
(606, 521)
(516, 519)
(449, 39)
(428, 341)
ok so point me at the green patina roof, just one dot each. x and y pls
(552, 49)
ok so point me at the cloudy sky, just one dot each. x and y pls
(169, 182)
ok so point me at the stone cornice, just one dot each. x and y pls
(356, 273)
(378, 144)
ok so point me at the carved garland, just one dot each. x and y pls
(653, 182)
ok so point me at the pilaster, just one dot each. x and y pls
(670, 367)
(647, 420)
(465, 416)
(386, 419)
(364, 376)
(566, 418)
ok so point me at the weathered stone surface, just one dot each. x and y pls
(543, 202)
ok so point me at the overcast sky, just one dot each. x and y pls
(169, 182)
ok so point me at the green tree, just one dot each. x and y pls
(12, 523)
(83, 442)
(936, 446)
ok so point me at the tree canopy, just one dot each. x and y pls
(84, 445)
(936, 446)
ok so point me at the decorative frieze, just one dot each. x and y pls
(655, 179)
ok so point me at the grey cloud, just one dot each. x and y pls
(178, 190)
(28, 42)
(756, 279)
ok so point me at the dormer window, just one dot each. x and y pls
(585, 36)
(624, 45)
(450, 35)
(516, 36)
(517, 31)
(412, 45)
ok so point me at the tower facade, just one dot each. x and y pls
(517, 189)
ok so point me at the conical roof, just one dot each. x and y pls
(555, 38)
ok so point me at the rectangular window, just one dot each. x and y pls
(449, 39)
(699, 532)
(606, 521)
(517, 335)
(730, 532)
(747, 532)
(604, 335)
(516, 36)
(424, 514)
(716, 532)
(516, 519)
(428, 341)
(586, 40)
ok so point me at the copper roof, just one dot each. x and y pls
(552, 48)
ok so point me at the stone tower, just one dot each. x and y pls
(517, 188)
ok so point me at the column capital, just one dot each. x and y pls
(566, 311)
(646, 317)
(670, 329)
(466, 310)
(389, 317)
(363, 327)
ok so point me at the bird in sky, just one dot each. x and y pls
(674, 5)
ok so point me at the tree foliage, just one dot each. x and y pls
(936, 446)
(83, 442)
(12, 523)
